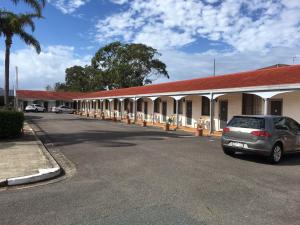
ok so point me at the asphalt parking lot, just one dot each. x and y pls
(126, 174)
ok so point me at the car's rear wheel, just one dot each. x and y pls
(36, 110)
(276, 154)
(228, 151)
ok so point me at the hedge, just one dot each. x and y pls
(11, 123)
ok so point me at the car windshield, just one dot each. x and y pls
(247, 122)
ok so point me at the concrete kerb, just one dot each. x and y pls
(43, 174)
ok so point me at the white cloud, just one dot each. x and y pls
(119, 2)
(245, 25)
(37, 71)
(183, 65)
(68, 6)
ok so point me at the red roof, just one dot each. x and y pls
(265, 77)
(47, 95)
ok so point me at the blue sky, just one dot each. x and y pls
(240, 34)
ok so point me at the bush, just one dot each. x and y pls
(11, 123)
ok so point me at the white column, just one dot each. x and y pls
(266, 101)
(212, 119)
(153, 99)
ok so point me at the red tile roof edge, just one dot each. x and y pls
(254, 78)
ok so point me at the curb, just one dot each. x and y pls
(43, 174)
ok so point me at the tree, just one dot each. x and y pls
(14, 25)
(58, 86)
(37, 5)
(83, 79)
(49, 88)
(128, 65)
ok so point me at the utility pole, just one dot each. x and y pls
(17, 87)
(214, 67)
(294, 58)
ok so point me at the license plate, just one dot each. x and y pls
(237, 144)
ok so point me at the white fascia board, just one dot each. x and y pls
(284, 87)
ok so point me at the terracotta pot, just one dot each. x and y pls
(199, 132)
(144, 123)
(167, 127)
(87, 115)
(80, 113)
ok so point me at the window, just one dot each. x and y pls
(247, 122)
(180, 106)
(156, 105)
(252, 105)
(205, 106)
(292, 125)
(115, 104)
(140, 105)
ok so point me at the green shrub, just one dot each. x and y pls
(11, 123)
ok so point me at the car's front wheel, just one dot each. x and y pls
(228, 151)
(276, 154)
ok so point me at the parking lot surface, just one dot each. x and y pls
(126, 174)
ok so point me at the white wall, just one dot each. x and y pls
(290, 104)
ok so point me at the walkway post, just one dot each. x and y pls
(135, 109)
(177, 115)
(211, 128)
(266, 100)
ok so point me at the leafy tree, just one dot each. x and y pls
(83, 79)
(49, 88)
(58, 86)
(127, 65)
(11, 25)
(37, 5)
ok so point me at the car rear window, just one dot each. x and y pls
(247, 122)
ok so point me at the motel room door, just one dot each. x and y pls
(223, 113)
(145, 110)
(164, 111)
(189, 112)
(276, 107)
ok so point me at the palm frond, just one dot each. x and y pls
(29, 40)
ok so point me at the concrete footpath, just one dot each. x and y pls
(25, 160)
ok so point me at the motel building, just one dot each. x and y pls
(208, 102)
(47, 99)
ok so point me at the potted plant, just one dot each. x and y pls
(95, 115)
(167, 125)
(80, 113)
(102, 116)
(87, 114)
(144, 123)
(199, 130)
(128, 119)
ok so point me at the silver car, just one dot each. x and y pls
(271, 136)
(62, 109)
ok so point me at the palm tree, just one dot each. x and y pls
(37, 5)
(15, 24)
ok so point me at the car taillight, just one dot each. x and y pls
(226, 130)
(261, 133)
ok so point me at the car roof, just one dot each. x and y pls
(259, 116)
